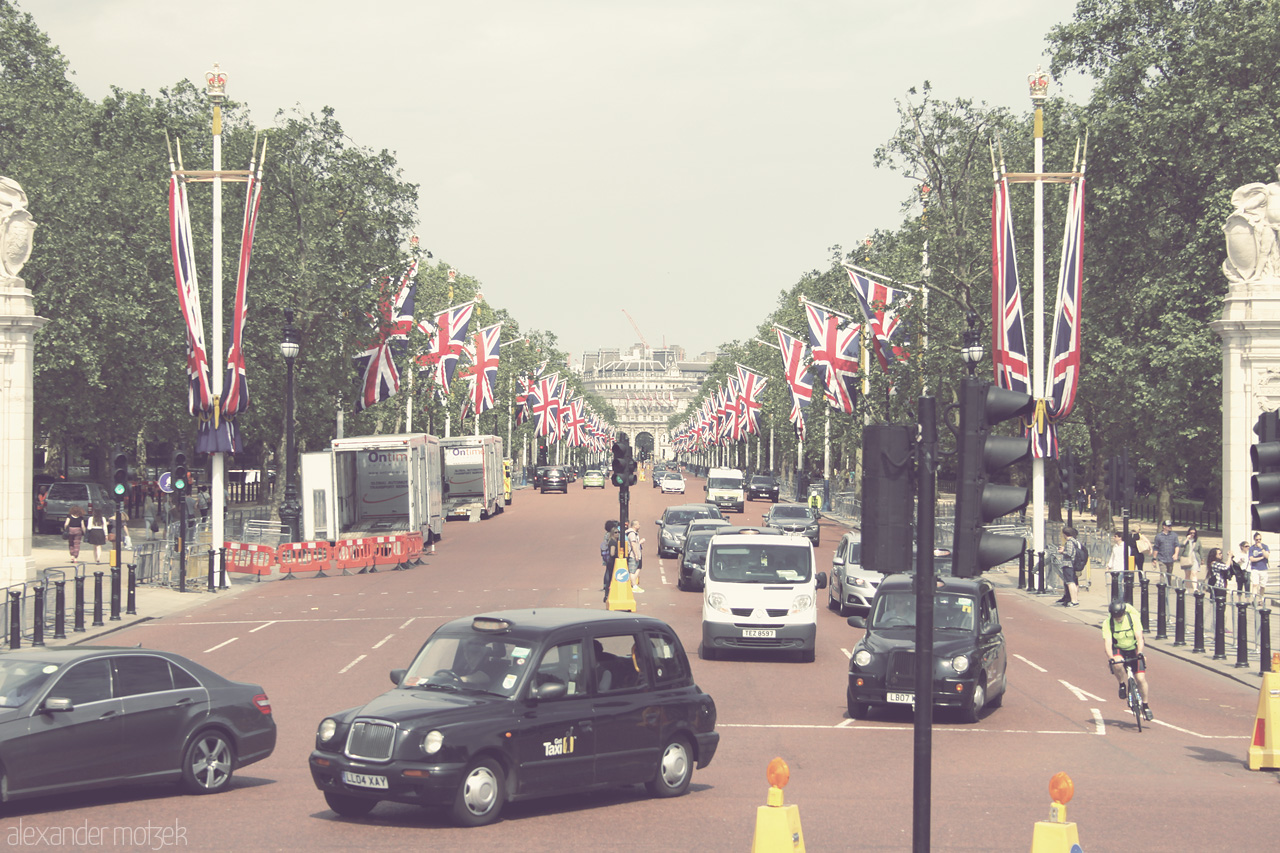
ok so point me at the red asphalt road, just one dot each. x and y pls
(319, 646)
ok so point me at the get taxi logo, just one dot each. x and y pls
(560, 746)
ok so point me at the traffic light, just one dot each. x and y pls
(620, 454)
(120, 486)
(1264, 485)
(978, 501)
(181, 477)
(888, 497)
(1066, 475)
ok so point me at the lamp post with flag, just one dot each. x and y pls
(290, 508)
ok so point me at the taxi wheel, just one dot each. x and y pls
(481, 795)
(973, 708)
(207, 763)
(346, 806)
(675, 769)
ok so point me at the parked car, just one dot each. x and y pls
(73, 718)
(763, 487)
(969, 655)
(593, 479)
(555, 480)
(520, 704)
(796, 519)
(674, 520)
(65, 494)
(672, 483)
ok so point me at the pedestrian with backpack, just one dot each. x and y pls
(1075, 558)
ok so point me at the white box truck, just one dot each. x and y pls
(725, 488)
(472, 467)
(373, 485)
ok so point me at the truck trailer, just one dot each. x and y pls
(472, 468)
(373, 485)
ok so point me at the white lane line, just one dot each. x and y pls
(407, 624)
(1082, 695)
(851, 724)
(157, 622)
(1197, 734)
(378, 644)
(263, 625)
(220, 645)
(1030, 664)
(353, 663)
(1099, 727)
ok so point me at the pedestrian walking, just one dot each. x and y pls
(609, 552)
(1115, 562)
(202, 502)
(635, 557)
(1074, 558)
(1192, 557)
(1259, 556)
(149, 515)
(96, 534)
(73, 531)
(1240, 567)
(1165, 547)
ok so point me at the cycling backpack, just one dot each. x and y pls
(1080, 560)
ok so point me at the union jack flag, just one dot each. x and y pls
(379, 376)
(1064, 360)
(543, 404)
(448, 339)
(877, 302)
(1008, 334)
(482, 373)
(835, 354)
(752, 385)
(799, 379)
(235, 400)
(199, 395)
(574, 424)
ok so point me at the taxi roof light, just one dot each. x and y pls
(490, 625)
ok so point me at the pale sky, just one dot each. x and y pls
(685, 160)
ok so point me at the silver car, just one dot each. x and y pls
(796, 519)
(65, 494)
(852, 587)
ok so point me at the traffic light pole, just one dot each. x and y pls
(922, 778)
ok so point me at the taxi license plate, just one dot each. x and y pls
(361, 780)
(768, 633)
(904, 698)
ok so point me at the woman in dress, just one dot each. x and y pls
(73, 530)
(96, 533)
(1192, 557)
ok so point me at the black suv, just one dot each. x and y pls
(763, 487)
(969, 656)
(521, 704)
(555, 480)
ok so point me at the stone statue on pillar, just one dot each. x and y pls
(1253, 233)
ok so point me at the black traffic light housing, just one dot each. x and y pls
(181, 476)
(888, 497)
(1067, 474)
(624, 463)
(979, 501)
(1264, 485)
(120, 478)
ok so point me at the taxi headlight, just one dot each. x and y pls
(802, 603)
(715, 600)
(862, 657)
(328, 728)
(432, 742)
(960, 663)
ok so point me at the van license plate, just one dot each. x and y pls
(767, 633)
(905, 698)
(361, 780)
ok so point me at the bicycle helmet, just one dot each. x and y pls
(1117, 607)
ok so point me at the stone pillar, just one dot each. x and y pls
(1250, 332)
(18, 325)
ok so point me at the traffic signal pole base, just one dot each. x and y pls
(620, 595)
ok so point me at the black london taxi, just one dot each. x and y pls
(519, 704)
(969, 655)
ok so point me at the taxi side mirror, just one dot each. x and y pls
(857, 622)
(550, 690)
(397, 676)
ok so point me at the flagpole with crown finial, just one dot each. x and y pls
(216, 85)
(1039, 85)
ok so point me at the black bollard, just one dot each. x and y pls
(1146, 608)
(1198, 636)
(78, 627)
(115, 593)
(1162, 610)
(1022, 570)
(1040, 590)
(1180, 617)
(1128, 587)
(1219, 624)
(15, 620)
(1242, 635)
(1264, 641)
(131, 603)
(60, 608)
(97, 601)
(213, 584)
(37, 617)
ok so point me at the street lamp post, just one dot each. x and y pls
(290, 509)
(971, 352)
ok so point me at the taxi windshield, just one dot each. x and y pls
(469, 662)
(898, 610)
(22, 679)
(759, 563)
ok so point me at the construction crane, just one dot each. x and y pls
(647, 348)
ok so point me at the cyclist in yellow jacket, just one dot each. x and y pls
(1122, 636)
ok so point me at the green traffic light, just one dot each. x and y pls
(119, 489)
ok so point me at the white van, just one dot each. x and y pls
(760, 592)
(726, 488)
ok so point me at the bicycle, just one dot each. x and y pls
(1133, 692)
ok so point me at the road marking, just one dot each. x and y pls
(1197, 734)
(154, 623)
(847, 653)
(353, 663)
(1099, 727)
(1082, 695)
(220, 645)
(851, 724)
(1030, 664)
(263, 625)
(378, 644)
(407, 624)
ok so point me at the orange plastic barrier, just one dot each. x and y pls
(389, 550)
(413, 547)
(250, 559)
(298, 558)
(353, 555)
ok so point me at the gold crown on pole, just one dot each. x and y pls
(1039, 83)
(216, 83)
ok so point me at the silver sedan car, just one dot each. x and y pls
(852, 587)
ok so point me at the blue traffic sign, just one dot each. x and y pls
(621, 575)
(166, 483)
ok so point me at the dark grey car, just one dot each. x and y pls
(65, 494)
(674, 522)
(94, 717)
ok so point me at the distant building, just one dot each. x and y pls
(646, 387)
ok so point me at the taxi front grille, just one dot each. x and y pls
(902, 670)
(370, 740)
